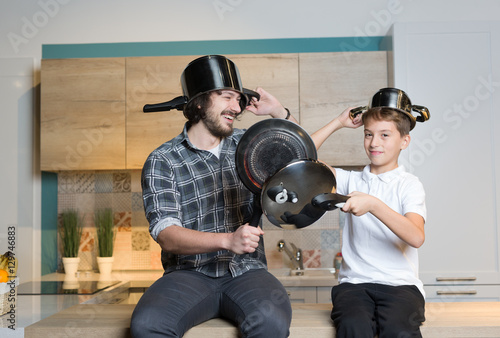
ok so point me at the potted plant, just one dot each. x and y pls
(105, 231)
(71, 234)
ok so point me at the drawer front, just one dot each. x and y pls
(462, 293)
(303, 294)
(324, 294)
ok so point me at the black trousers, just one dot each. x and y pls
(256, 301)
(368, 310)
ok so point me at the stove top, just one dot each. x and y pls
(62, 288)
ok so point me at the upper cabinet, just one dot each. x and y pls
(82, 114)
(92, 115)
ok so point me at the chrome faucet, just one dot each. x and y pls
(295, 257)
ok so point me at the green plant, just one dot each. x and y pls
(105, 232)
(71, 232)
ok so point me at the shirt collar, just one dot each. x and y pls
(384, 177)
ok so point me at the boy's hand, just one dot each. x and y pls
(347, 122)
(359, 203)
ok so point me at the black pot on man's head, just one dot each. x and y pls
(203, 75)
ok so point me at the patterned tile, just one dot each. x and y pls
(311, 239)
(137, 204)
(84, 182)
(65, 182)
(330, 239)
(123, 243)
(122, 201)
(141, 260)
(134, 247)
(122, 261)
(85, 203)
(86, 261)
(140, 240)
(121, 182)
(66, 201)
(327, 257)
(156, 260)
(139, 220)
(104, 200)
(312, 258)
(88, 240)
(123, 221)
(103, 182)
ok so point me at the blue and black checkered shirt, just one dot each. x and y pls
(192, 188)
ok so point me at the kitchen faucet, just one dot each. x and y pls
(295, 257)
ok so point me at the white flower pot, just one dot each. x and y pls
(105, 265)
(71, 266)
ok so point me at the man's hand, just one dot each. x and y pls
(267, 105)
(245, 239)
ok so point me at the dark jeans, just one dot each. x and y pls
(256, 301)
(367, 310)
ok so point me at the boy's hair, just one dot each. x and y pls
(401, 121)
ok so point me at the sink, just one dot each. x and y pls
(316, 272)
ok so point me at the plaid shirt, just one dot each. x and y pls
(192, 188)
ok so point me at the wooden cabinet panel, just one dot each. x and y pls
(331, 82)
(82, 114)
(278, 74)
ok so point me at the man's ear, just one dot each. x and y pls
(406, 142)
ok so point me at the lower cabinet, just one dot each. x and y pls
(462, 293)
(309, 294)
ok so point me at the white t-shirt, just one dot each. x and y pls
(371, 252)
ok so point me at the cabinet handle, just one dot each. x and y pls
(458, 292)
(455, 279)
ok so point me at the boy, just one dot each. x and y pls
(379, 292)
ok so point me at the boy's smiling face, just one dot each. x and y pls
(383, 143)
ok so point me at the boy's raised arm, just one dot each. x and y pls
(342, 121)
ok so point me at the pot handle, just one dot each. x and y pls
(423, 111)
(328, 201)
(356, 111)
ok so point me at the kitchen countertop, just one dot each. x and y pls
(53, 313)
(33, 308)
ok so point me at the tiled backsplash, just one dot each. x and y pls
(87, 191)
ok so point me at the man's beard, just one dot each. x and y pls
(215, 126)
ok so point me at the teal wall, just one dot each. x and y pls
(135, 49)
(49, 222)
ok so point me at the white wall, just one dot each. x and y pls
(26, 25)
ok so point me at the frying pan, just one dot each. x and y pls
(266, 147)
(398, 100)
(299, 194)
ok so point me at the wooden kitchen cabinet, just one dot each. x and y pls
(454, 69)
(92, 115)
(82, 114)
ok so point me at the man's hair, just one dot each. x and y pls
(401, 121)
(195, 111)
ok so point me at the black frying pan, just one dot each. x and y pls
(299, 194)
(266, 147)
